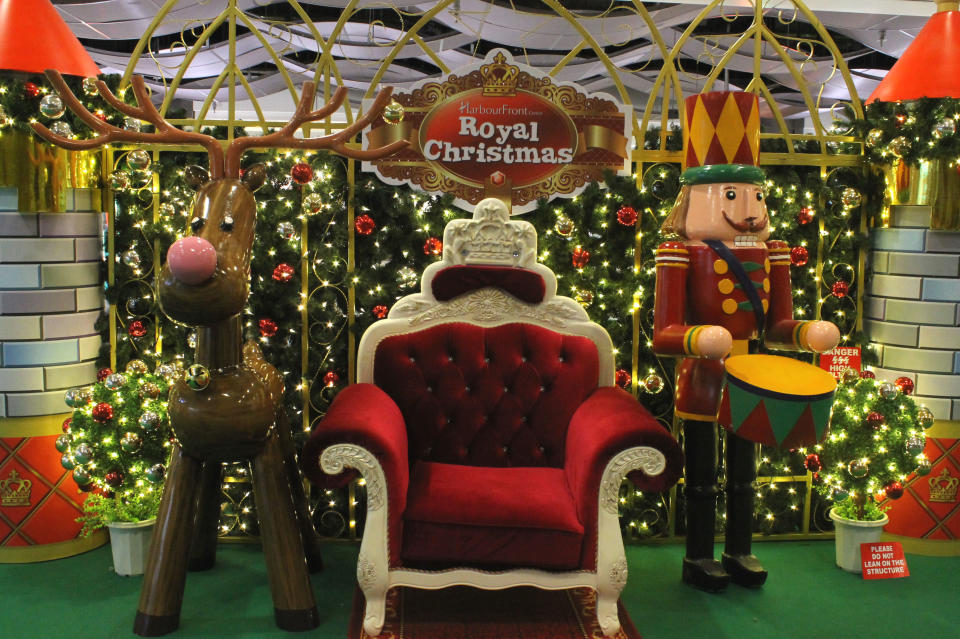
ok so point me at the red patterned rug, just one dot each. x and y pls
(469, 613)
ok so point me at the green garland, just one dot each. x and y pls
(922, 129)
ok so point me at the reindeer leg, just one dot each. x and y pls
(311, 538)
(293, 602)
(203, 547)
(161, 596)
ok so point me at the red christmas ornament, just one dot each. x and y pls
(104, 373)
(627, 216)
(364, 224)
(283, 272)
(804, 215)
(101, 116)
(301, 173)
(113, 478)
(876, 420)
(136, 329)
(380, 311)
(812, 462)
(905, 384)
(799, 256)
(330, 379)
(840, 288)
(580, 257)
(623, 378)
(67, 423)
(433, 246)
(102, 412)
(242, 171)
(867, 375)
(268, 328)
(31, 90)
(894, 490)
(86, 488)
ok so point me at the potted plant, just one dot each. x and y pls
(874, 442)
(117, 443)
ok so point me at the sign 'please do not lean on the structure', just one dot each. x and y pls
(501, 129)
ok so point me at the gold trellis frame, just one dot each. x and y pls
(756, 41)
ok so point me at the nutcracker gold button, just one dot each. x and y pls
(766, 285)
(730, 306)
(766, 305)
(766, 265)
(720, 267)
(725, 286)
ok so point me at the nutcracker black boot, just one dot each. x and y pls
(700, 569)
(741, 465)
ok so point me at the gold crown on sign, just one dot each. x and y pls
(15, 490)
(943, 487)
(499, 78)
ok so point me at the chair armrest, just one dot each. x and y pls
(363, 415)
(610, 421)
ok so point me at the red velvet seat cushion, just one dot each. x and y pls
(492, 517)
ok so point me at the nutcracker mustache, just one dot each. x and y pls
(752, 224)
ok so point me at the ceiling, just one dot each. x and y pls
(870, 35)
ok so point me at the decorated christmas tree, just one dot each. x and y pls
(875, 441)
(117, 443)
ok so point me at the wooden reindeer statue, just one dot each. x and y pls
(230, 407)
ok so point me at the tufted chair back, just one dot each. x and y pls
(487, 396)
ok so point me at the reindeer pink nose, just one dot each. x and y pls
(192, 259)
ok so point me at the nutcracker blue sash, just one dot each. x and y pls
(736, 267)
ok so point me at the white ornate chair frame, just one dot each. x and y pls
(504, 242)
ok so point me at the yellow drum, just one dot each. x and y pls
(776, 401)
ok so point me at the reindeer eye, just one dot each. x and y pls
(196, 224)
(227, 224)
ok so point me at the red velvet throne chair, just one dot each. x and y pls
(487, 426)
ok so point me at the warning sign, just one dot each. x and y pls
(840, 359)
(883, 560)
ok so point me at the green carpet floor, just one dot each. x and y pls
(805, 596)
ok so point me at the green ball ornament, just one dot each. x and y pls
(840, 494)
(564, 226)
(83, 453)
(137, 367)
(888, 390)
(149, 391)
(393, 113)
(155, 473)
(81, 476)
(198, 377)
(131, 258)
(851, 197)
(653, 383)
(851, 376)
(149, 420)
(312, 203)
(944, 128)
(51, 106)
(915, 444)
(66, 460)
(62, 443)
(115, 381)
(924, 466)
(119, 180)
(132, 124)
(875, 137)
(138, 160)
(899, 146)
(858, 469)
(924, 417)
(62, 128)
(90, 86)
(131, 442)
(584, 297)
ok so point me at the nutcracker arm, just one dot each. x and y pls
(671, 335)
(783, 332)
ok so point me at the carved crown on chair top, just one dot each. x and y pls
(488, 276)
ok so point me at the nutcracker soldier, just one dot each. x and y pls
(722, 289)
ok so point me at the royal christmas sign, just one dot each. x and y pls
(504, 129)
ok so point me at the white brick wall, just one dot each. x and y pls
(50, 298)
(912, 314)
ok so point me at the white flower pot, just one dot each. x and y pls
(850, 533)
(130, 543)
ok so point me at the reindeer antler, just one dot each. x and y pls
(284, 138)
(165, 133)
